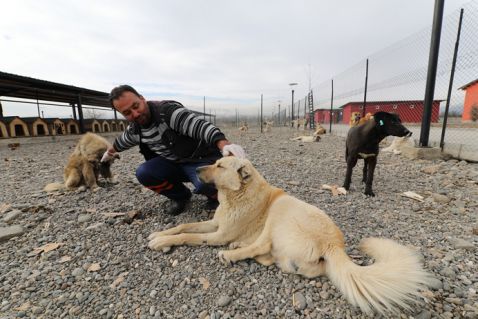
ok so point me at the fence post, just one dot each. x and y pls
(365, 91)
(261, 114)
(450, 86)
(432, 71)
(331, 106)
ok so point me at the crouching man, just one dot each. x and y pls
(174, 142)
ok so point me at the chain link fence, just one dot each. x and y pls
(396, 83)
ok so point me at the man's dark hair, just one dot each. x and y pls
(117, 91)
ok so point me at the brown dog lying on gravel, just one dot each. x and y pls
(84, 166)
(262, 222)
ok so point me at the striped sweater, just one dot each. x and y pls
(176, 117)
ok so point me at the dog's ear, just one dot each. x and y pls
(244, 172)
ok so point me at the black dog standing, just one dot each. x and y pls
(362, 142)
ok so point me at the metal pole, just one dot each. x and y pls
(204, 108)
(331, 106)
(261, 113)
(279, 115)
(80, 116)
(365, 92)
(116, 114)
(432, 71)
(292, 114)
(38, 106)
(450, 86)
(74, 111)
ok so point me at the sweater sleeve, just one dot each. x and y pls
(188, 123)
(126, 140)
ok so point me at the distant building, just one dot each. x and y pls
(409, 111)
(323, 116)
(471, 101)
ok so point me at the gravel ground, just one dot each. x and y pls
(103, 268)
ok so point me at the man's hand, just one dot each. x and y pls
(233, 149)
(109, 155)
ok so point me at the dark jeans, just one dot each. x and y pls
(166, 178)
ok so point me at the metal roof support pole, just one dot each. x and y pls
(116, 114)
(74, 111)
(80, 115)
(38, 106)
(432, 72)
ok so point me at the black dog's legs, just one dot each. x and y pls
(351, 162)
(370, 162)
(365, 165)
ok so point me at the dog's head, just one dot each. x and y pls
(390, 124)
(229, 173)
(105, 167)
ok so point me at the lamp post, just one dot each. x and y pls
(279, 112)
(292, 105)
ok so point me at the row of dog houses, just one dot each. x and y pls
(14, 126)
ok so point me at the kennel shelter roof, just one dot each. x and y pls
(18, 86)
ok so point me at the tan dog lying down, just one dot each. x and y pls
(84, 167)
(262, 222)
(398, 144)
(304, 138)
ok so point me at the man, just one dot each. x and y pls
(174, 142)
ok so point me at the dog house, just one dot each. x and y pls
(93, 125)
(37, 126)
(3, 130)
(113, 125)
(16, 127)
(71, 126)
(55, 126)
(105, 126)
(121, 126)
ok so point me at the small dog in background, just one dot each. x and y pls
(398, 144)
(84, 165)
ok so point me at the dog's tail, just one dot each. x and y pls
(392, 282)
(52, 187)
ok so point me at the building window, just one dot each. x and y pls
(412, 106)
(395, 106)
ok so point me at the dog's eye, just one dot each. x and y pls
(219, 166)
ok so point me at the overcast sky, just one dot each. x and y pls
(228, 51)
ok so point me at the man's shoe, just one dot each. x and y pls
(211, 204)
(176, 207)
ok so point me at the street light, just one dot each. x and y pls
(279, 111)
(292, 106)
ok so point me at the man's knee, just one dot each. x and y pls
(143, 174)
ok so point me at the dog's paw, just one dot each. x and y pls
(224, 258)
(369, 193)
(154, 235)
(159, 243)
(236, 244)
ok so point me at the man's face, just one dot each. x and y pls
(134, 108)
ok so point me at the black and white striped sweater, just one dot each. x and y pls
(177, 118)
